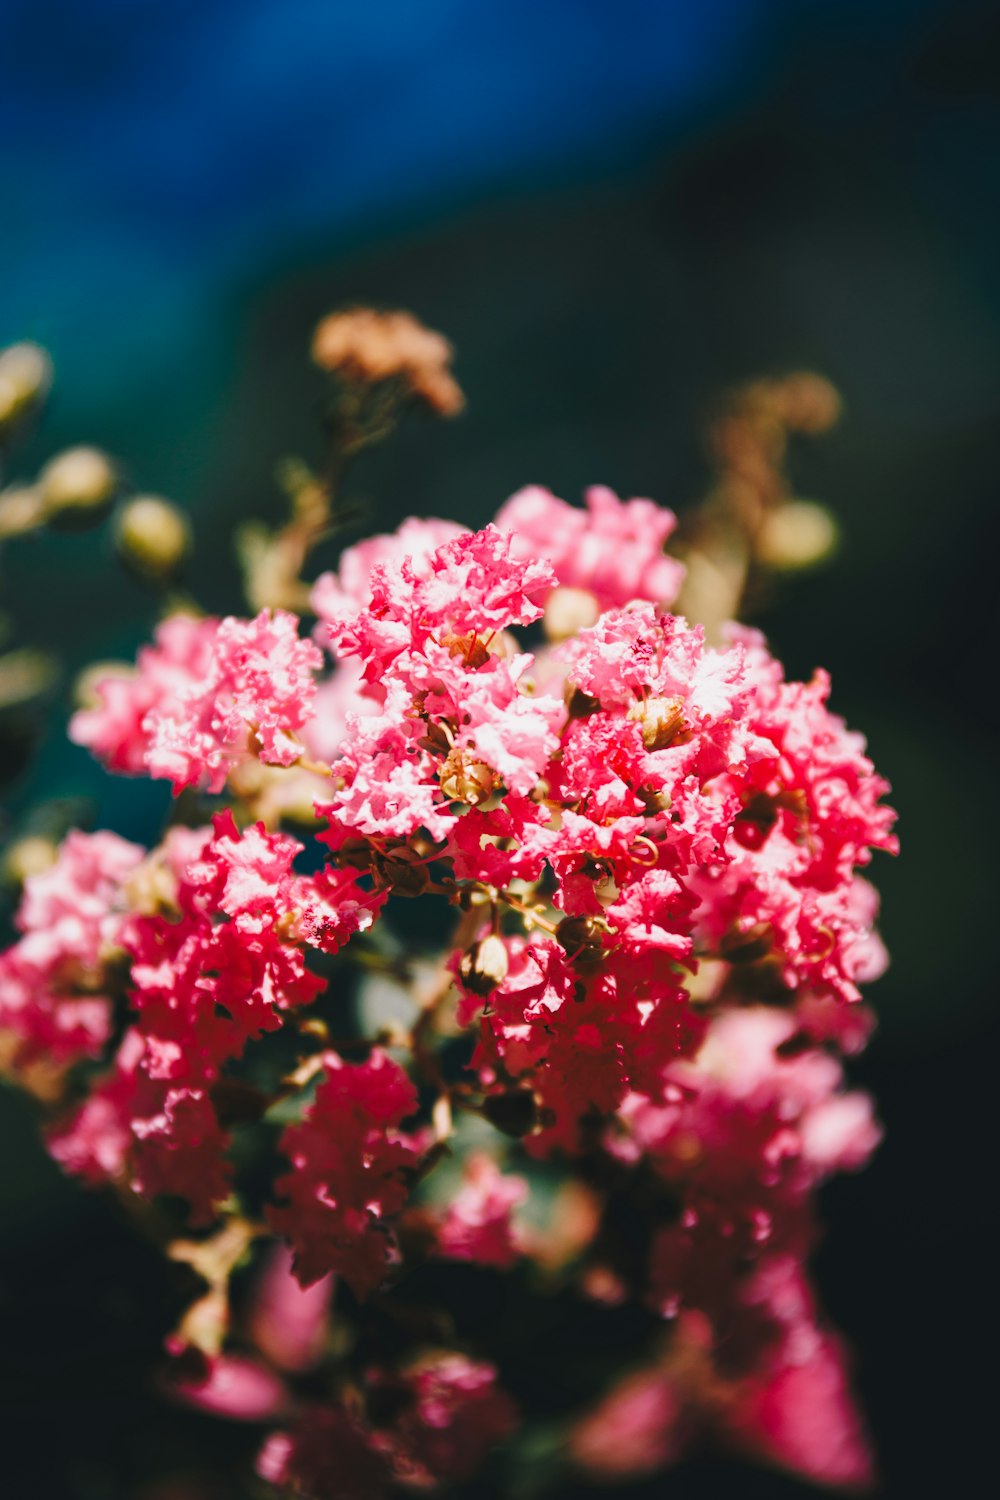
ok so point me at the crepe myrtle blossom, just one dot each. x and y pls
(350, 1163)
(54, 980)
(218, 964)
(207, 695)
(742, 1134)
(477, 1223)
(603, 556)
(772, 1383)
(433, 1423)
(657, 851)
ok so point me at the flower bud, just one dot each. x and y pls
(568, 611)
(152, 536)
(582, 938)
(484, 966)
(77, 486)
(29, 856)
(797, 535)
(661, 722)
(354, 854)
(654, 801)
(465, 779)
(21, 510)
(25, 377)
(25, 675)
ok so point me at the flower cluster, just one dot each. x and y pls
(53, 981)
(349, 1172)
(653, 844)
(208, 695)
(217, 962)
(431, 1424)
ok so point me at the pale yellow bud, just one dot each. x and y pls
(21, 510)
(485, 965)
(568, 611)
(25, 377)
(152, 536)
(466, 779)
(797, 535)
(77, 486)
(25, 675)
(661, 722)
(151, 887)
(29, 856)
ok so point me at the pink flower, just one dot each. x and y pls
(639, 1427)
(258, 691)
(767, 804)
(94, 1143)
(116, 730)
(327, 1453)
(229, 1385)
(447, 1413)
(138, 1127)
(767, 1379)
(642, 653)
(795, 1409)
(450, 1414)
(657, 848)
(288, 1322)
(343, 594)
(455, 720)
(208, 982)
(209, 694)
(469, 588)
(613, 550)
(70, 918)
(349, 1173)
(204, 986)
(180, 1147)
(477, 1224)
(208, 975)
(811, 814)
(546, 1031)
(743, 1133)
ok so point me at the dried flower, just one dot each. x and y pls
(365, 347)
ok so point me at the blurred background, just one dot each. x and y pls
(615, 211)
